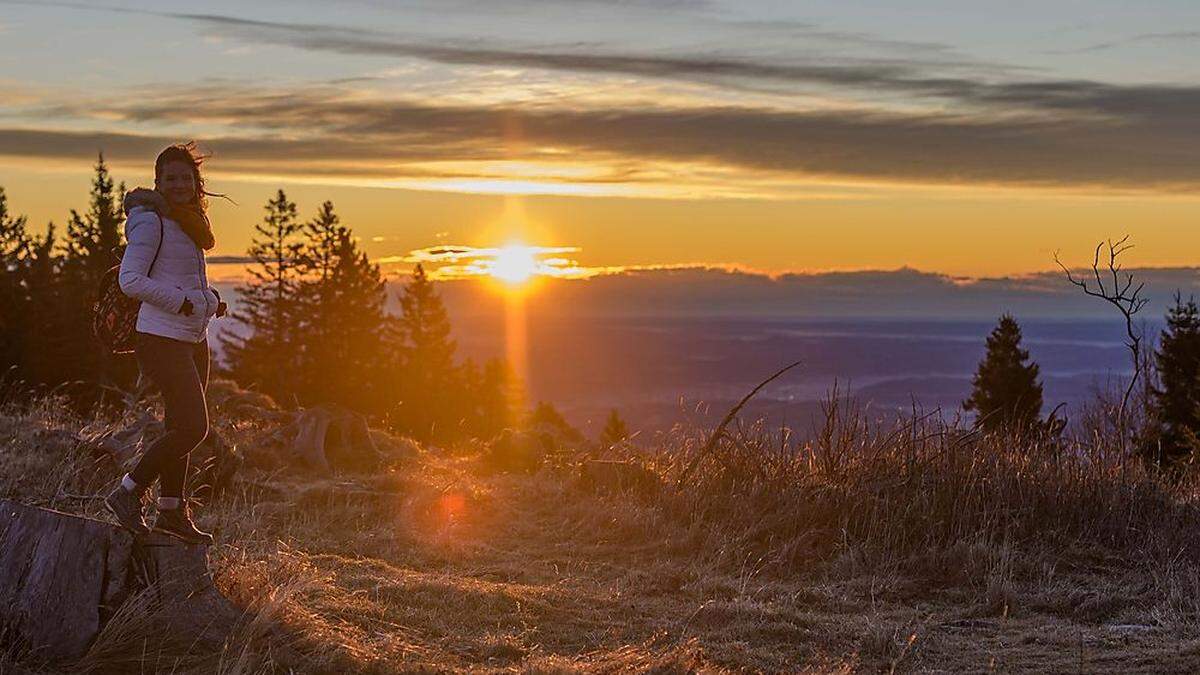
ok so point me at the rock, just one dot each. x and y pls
(516, 451)
(63, 576)
(229, 400)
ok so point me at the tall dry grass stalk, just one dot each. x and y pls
(894, 492)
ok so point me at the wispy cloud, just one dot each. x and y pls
(974, 83)
(904, 69)
(976, 124)
(327, 132)
(468, 262)
(1166, 37)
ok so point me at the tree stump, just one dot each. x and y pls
(62, 577)
(325, 438)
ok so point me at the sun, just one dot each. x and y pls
(514, 264)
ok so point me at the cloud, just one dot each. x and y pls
(905, 73)
(466, 262)
(1168, 37)
(701, 290)
(899, 75)
(328, 132)
(229, 260)
(901, 71)
(1073, 134)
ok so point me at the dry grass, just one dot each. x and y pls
(869, 549)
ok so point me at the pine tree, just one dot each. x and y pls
(1006, 392)
(342, 320)
(499, 396)
(547, 417)
(427, 374)
(266, 352)
(14, 300)
(87, 253)
(615, 431)
(47, 325)
(1176, 400)
(92, 237)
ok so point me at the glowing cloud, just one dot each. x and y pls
(513, 263)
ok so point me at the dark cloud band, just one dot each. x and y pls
(326, 133)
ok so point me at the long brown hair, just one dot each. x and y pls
(186, 153)
(193, 218)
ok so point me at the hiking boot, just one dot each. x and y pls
(178, 523)
(128, 507)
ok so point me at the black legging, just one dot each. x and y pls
(180, 370)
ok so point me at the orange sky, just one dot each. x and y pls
(962, 232)
(772, 137)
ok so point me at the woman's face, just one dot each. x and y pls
(177, 183)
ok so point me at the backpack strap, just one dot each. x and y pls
(161, 233)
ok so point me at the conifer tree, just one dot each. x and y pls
(87, 252)
(92, 237)
(499, 396)
(14, 240)
(343, 322)
(1006, 392)
(421, 334)
(47, 326)
(266, 352)
(615, 430)
(546, 416)
(1176, 400)
(14, 306)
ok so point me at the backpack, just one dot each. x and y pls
(114, 314)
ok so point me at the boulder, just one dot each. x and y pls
(62, 577)
(517, 451)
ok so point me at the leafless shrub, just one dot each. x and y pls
(1117, 288)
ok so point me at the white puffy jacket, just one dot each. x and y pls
(179, 272)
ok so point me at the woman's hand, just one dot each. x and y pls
(197, 301)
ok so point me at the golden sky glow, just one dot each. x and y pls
(753, 135)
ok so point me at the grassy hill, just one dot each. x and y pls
(867, 550)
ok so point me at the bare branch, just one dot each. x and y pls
(1119, 295)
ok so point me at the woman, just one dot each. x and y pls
(163, 266)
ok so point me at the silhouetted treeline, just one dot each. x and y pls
(1007, 394)
(310, 328)
(47, 288)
